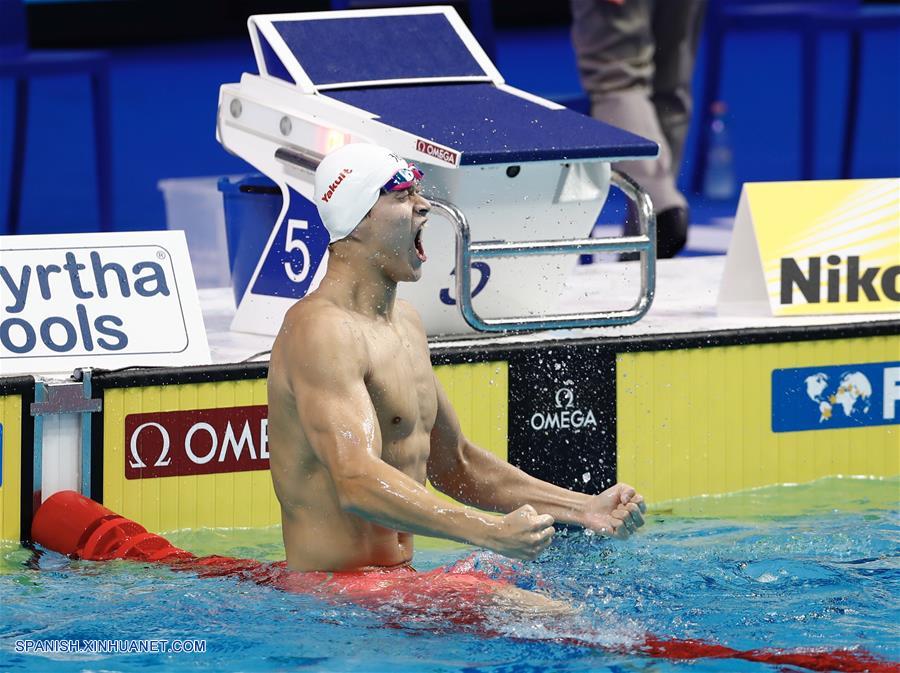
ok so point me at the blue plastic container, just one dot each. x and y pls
(252, 205)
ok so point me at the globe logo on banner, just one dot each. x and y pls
(831, 397)
(853, 394)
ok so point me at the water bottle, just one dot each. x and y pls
(718, 181)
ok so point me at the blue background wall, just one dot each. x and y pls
(164, 107)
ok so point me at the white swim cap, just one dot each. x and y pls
(348, 183)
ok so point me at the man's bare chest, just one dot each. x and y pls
(400, 382)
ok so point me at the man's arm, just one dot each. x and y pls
(327, 375)
(478, 478)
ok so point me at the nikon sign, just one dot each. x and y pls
(814, 248)
(842, 280)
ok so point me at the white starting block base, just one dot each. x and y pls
(685, 303)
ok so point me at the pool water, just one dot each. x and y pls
(815, 566)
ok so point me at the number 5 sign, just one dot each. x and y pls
(290, 267)
(291, 243)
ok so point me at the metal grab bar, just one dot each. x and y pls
(644, 244)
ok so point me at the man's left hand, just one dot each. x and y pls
(617, 512)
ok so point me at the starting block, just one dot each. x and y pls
(518, 178)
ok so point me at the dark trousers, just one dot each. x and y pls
(636, 60)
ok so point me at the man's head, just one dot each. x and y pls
(368, 196)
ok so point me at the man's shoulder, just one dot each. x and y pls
(319, 325)
(408, 312)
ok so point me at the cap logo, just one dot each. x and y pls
(326, 197)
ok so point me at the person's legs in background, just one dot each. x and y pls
(635, 58)
(676, 26)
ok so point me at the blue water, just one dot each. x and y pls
(813, 566)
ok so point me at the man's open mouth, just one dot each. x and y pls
(420, 248)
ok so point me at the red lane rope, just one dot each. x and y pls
(845, 661)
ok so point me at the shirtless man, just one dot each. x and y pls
(358, 420)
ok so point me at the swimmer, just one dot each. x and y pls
(358, 420)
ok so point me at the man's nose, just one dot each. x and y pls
(423, 207)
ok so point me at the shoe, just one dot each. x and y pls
(671, 233)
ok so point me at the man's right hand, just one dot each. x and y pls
(522, 534)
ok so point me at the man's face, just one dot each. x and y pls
(393, 233)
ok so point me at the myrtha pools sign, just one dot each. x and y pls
(103, 300)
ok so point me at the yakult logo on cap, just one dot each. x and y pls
(326, 197)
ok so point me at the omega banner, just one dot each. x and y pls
(205, 441)
(562, 416)
(814, 248)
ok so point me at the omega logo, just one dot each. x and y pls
(567, 417)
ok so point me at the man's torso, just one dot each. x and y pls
(318, 533)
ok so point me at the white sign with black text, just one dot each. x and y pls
(98, 300)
